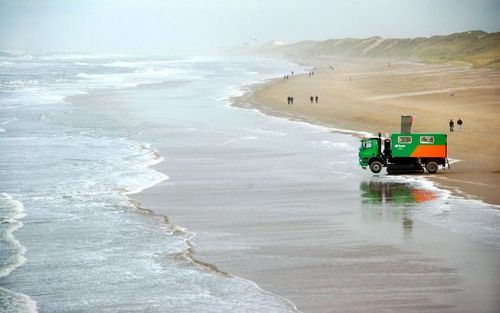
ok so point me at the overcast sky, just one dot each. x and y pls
(198, 26)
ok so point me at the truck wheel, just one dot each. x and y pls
(376, 167)
(431, 167)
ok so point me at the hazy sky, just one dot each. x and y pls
(197, 26)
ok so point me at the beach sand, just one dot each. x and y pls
(371, 96)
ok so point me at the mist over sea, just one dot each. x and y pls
(72, 237)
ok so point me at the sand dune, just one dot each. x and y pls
(474, 48)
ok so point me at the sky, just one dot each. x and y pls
(173, 27)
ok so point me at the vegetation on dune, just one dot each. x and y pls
(477, 48)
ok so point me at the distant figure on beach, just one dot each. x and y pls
(459, 123)
(316, 99)
(311, 98)
(451, 125)
(350, 79)
(291, 100)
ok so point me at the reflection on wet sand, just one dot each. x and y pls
(393, 192)
(384, 200)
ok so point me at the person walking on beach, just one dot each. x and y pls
(316, 99)
(451, 125)
(288, 100)
(291, 100)
(311, 98)
(459, 123)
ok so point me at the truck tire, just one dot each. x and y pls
(376, 167)
(431, 167)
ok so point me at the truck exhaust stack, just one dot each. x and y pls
(406, 121)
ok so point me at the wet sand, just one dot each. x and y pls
(371, 96)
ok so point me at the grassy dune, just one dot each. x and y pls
(475, 48)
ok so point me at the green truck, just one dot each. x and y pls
(404, 152)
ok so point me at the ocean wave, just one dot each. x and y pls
(134, 78)
(14, 302)
(149, 158)
(8, 121)
(76, 56)
(9, 107)
(18, 82)
(13, 254)
(11, 212)
(340, 146)
(131, 64)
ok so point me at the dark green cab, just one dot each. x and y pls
(369, 149)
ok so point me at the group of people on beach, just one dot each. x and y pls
(452, 124)
(285, 77)
(289, 99)
(312, 99)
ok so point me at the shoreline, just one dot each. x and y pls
(479, 182)
(243, 237)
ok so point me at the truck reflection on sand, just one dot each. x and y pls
(393, 201)
(393, 192)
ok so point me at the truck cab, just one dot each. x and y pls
(369, 151)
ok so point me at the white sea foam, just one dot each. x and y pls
(340, 146)
(14, 302)
(12, 212)
(76, 56)
(132, 64)
(10, 120)
(133, 79)
(149, 158)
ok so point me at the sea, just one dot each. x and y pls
(74, 239)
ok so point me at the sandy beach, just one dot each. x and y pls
(368, 95)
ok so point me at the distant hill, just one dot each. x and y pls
(477, 48)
